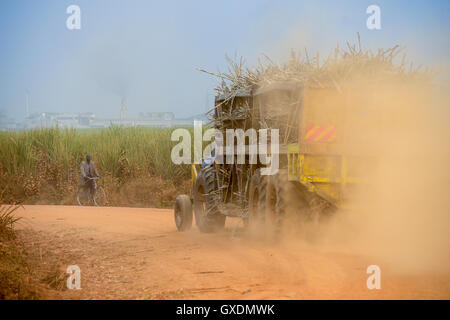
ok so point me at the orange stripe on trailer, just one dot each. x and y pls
(316, 133)
(331, 134)
(320, 133)
(310, 131)
(331, 138)
(324, 132)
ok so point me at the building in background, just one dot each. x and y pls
(91, 121)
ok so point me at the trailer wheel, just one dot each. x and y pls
(207, 215)
(257, 191)
(284, 201)
(183, 212)
(275, 202)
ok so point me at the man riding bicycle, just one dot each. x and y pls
(88, 172)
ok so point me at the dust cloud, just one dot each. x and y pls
(400, 214)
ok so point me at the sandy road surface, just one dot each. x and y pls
(138, 254)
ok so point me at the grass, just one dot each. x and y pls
(22, 274)
(7, 221)
(16, 280)
(42, 165)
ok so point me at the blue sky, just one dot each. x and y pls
(148, 50)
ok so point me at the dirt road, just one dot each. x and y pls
(129, 253)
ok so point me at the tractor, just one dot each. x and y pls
(314, 173)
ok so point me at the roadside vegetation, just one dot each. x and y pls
(24, 274)
(16, 280)
(41, 166)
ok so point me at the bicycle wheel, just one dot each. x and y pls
(100, 197)
(83, 196)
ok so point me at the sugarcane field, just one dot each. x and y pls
(224, 156)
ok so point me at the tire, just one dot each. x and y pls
(183, 212)
(207, 215)
(280, 201)
(82, 196)
(100, 197)
(257, 191)
(275, 201)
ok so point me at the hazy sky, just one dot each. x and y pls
(148, 50)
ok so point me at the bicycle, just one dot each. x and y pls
(84, 196)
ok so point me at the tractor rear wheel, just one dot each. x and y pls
(207, 215)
